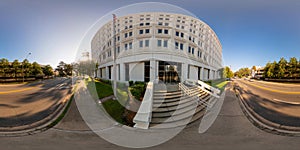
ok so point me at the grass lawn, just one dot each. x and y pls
(220, 84)
(114, 109)
(99, 89)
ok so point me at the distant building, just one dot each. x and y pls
(258, 73)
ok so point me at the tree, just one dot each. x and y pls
(293, 67)
(68, 68)
(16, 68)
(36, 70)
(26, 68)
(47, 70)
(4, 67)
(60, 68)
(281, 68)
(228, 73)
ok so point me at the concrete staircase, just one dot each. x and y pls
(174, 108)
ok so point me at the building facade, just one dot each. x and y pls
(165, 46)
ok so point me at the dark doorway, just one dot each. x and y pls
(169, 72)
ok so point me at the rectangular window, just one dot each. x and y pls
(147, 31)
(189, 50)
(166, 31)
(177, 33)
(176, 45)
(159, 31)
(165, 43)
(182, 35)
(148, 24)
(166, 24)
(141, 43)
(181, 46)
(126, 35)
(118, 49)
(146, 43)
(130, 33)
(126, 46)
(158, 43)
(130, 45)
(192, 50)
(141, 31)
(141, 24)
(118, 38)
(160, 23)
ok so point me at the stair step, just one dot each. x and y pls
(172, 108)
(178, 112)
(179, 123)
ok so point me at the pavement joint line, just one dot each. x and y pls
(264, 124)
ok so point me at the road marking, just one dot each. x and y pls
(15, 91)
(282, 101)
(272, 90)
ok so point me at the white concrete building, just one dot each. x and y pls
(166, 46)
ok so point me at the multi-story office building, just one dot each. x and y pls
(166, 46)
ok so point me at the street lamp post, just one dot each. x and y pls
(23, 65)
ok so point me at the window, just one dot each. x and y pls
(167, 19)
(126, 46)
(146, 43)
(141, 31)
(125, 27)
(126, 35)
(130, 45)
(166, 24)
(177, 33)
(166, 31)
(160, 18)
(189, 50)
(147, 18)
(158, 43)
(118, 38)
(130, 26)
(130, 33)
(147, 24)
(165, 43)
(192, 50)
(182, 35)
(160, 23)
(118, 49)
(141, 24)
(159, 31)
(141, 43)
(176, 45)
(147, 31)
(181, 46)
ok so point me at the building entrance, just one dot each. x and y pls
(169, 72)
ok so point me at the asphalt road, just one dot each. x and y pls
(25, 104)
(231, 130)
(276, 102)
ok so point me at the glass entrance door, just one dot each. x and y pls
(169, 72)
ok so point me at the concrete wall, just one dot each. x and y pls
(136, 71)
(193, 73)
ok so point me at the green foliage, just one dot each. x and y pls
(102, 89)
(282, 69)
(243, 72)
(228, 73)
(138, 89)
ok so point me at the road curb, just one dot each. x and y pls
(264, 124)
(39, 126)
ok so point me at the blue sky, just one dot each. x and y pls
(252, 32)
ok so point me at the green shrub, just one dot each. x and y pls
(138, 90)
(130, 83)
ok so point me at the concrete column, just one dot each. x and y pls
(122, 72)
(201, 73)
(153, 70)
(106, 72)
(184, 72)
